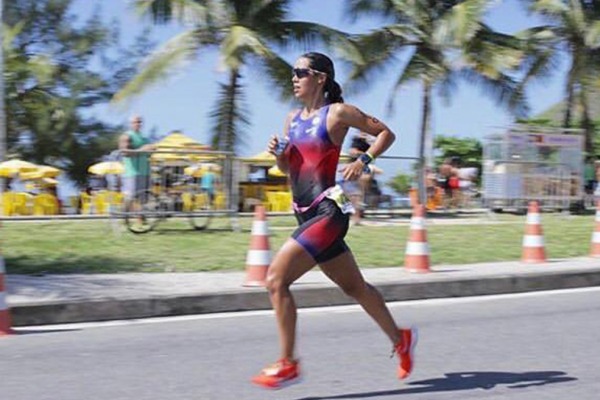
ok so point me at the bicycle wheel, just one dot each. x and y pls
(200, 211)
(143, 212)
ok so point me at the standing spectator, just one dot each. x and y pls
(137, 166)
(207, 183)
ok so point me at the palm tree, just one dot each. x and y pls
(574, 29)
(246, 33)
(447, 41)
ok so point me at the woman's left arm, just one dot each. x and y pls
(349, 116)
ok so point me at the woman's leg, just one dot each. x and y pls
(291, 262)
(344, 271)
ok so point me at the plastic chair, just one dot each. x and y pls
(6, 203)
(20, 204)
(220, 201)
(45, 204)
(86, 203)
(188, 201)
(101, 202)
(116, 200)
(201, 201)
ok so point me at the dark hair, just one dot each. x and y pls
(320, 62)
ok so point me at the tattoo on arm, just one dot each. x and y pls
(373, 119)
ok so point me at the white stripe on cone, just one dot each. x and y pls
(3, 305)
(417, 223)
(596, 237)
(258, 257)
(533, 219)
(417, 248)
(260, 228)
(533, 241)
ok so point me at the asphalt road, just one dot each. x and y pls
(529, 346)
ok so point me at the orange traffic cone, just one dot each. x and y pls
(417, 250)
(533, 240)
(4, 312)
(258, 258)
(595, 250)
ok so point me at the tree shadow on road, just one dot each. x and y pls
(464, 381)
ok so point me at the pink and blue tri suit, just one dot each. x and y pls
(313, 160)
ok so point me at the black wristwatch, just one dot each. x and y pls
(365, 158)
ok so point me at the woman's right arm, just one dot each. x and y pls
(282, 159)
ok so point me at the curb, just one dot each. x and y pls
(59, 312)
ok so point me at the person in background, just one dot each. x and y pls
(207, 183)
(589, 176)
(315, 134)
(137, 166)
(448, 179)
(358, 189)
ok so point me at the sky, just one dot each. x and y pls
(184, 100)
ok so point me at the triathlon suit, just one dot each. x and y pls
(313, 161)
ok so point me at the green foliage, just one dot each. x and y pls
(401, 183)
(56, 70)
(468, 150)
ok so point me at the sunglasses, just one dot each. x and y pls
(304, 72)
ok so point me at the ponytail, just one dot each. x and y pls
(333, 92)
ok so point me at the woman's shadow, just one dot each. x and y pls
(464, 381)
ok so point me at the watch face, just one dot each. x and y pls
(364, 158)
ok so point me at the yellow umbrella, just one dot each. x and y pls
(264, 158)
(198, 170)
(107, 168)
(13, 167)
(42, 171)
(275, 171)
(178, 140)
(49, 182)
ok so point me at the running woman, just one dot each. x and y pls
(314, 136)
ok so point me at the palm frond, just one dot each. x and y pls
(460, 23)
(237, 43)
(172, 55)
(549, 8)
(378, 8)
(163, 11)
(280, 75)
(490, 53)
(230, 116)
(505, 90)
(425, 65)
(592, 37)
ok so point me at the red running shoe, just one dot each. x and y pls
(405, 349)
(279, 375)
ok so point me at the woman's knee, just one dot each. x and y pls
(356, 290)
(276, 284)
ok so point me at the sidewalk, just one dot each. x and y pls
(50, 299)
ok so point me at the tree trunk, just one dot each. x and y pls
(423, 151)
(231, 112)
(570, 89)
(587, 124)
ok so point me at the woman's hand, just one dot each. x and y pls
(272, 145)
(352, 171)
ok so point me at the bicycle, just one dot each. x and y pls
(148, 208)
